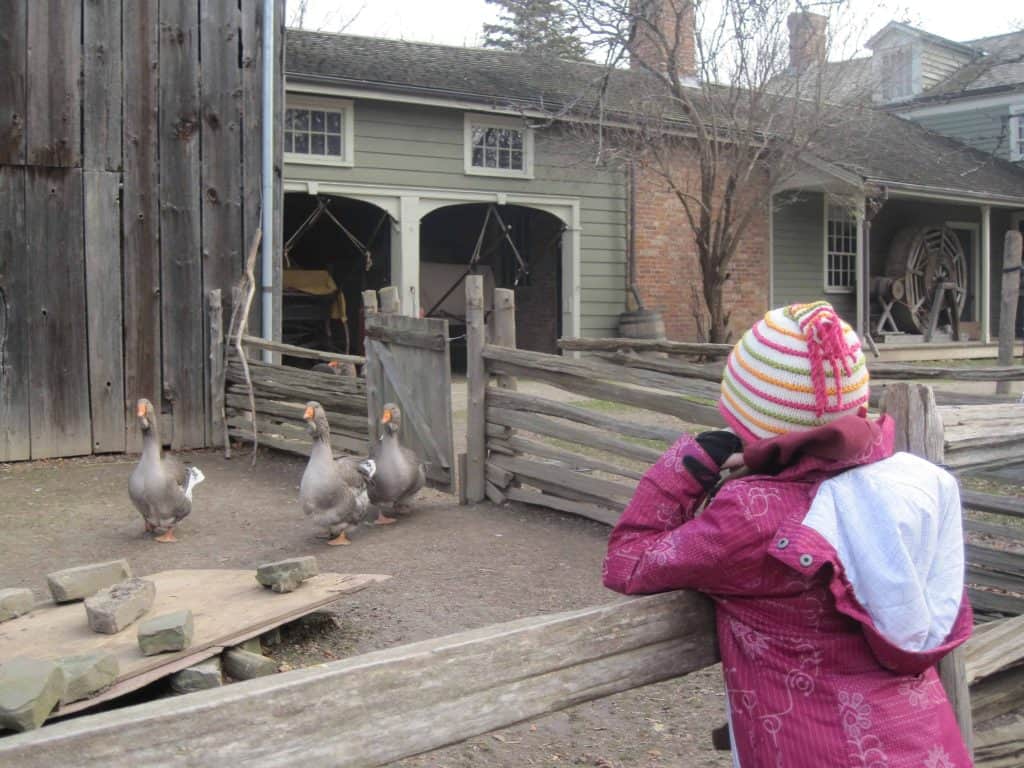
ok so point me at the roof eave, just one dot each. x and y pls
(907, 189)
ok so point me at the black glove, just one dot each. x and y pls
(719, 445)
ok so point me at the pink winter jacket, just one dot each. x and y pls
(812, 681)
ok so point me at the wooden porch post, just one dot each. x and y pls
(919, 431)
(986, 274)
(476, 389)
(1009, 288)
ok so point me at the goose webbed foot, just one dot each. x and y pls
(341, 540)
(166, 538)
(383, 519)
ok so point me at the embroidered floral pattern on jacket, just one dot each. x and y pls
(855, 715)
(939, 758)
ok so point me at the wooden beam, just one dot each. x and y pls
(905, 371)
(514, 445)
(988, 502)
(524, 469)
(646, 345)
(293, 351)
(476, 390)
(218, 382)
(999, 647)
(560, 504)
(434, 342)
(503, 322)
(423, 696)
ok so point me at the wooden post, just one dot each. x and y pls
(215, 312)
(504, 333)
(919, 431)
(390, 302)
(476, 390)
(1008, 308)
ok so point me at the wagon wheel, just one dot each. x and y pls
(924, 257)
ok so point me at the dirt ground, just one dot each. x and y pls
(454, 568)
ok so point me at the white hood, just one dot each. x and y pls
(896, 527)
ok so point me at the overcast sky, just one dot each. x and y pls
(459, 22)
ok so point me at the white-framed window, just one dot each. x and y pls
(897, 72)
(318, 130)
(1016, 132)
(498, 146)
(840, 249)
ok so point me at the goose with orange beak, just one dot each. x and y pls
(398, 471)
(332, 492)
(160, 487)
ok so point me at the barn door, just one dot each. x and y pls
(408, 363)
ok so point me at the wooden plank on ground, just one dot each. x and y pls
(59, 366)
(13, 65)
(228, 606)
(102, 86)
(181, 290)
(423, 696)
(53, 84)
(1000, 646)
(103, 300)
(140, 214)
(15, 341)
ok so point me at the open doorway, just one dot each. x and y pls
(335, 248)
(511, 246)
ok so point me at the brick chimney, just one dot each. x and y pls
(674, 19)
(808, 39)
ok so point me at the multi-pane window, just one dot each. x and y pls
(1017, 134)
(497, 146)
(840, 250)
(318, 131)
(897, 73)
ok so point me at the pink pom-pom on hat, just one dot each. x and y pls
(798, 368)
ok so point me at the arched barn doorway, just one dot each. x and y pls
(512, 246)
(335, 248)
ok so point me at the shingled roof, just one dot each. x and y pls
(876, 146)
(1001, 68)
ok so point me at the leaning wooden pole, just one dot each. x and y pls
(919, 431)
(1008, 307)
(476, 390)
(241, 299)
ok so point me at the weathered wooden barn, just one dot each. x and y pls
(130, 162)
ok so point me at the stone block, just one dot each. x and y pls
(198, 678)
(86, 580)
(252, 645)
(168, 632)
(87, 675)
(286, 575)
(111, 610)
(29, 690)
(242, 665)
(271, 637)
(15, 602)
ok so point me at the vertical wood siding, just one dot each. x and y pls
(985, 129)
(128, 133)
(403, 146)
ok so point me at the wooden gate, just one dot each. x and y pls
(408, 363)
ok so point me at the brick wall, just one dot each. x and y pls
(666, 257)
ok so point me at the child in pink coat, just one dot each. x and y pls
(836, 566)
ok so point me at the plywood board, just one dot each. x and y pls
(228, 606)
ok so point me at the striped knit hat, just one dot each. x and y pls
(782, 376)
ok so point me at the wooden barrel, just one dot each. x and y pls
(642, 324)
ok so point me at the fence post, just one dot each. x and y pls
(1008, 308)
(476, 390)
(919, 431)
(389, 301)
(504, 334)
(215, 312)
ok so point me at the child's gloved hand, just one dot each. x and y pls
(719, 445)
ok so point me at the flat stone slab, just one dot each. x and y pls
(112, 609)
(286, 575)
(15, 602)
(29, 690)
(199, 677)
(243, 665)
(86, 580)
(169, 632)
(87, 675)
